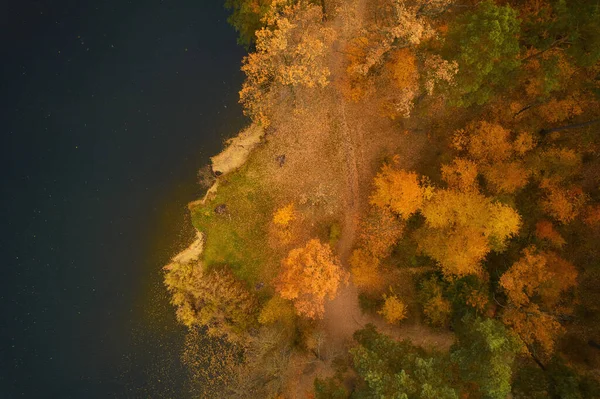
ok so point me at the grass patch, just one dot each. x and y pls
(237, 236)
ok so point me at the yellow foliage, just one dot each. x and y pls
(393, 310)
(308, 275)
(458, 251)
(438, 310)
(462, 227)
(276, 309)
(504, 222)
(450, 208)
(398, 190)
(290, 51)
(365, 270)
(285, 215)
(403, 65)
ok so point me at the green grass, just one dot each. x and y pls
(237, 239)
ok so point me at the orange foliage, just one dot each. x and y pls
(543, 277)
(544, 230)
(398, 190)
(478, 300)
(533, 326)
(506, 177)
(379, 232)
(308, 275)
(592, 215)
(563, 204)
(401, 71)
(524, 277)
(524, 143)
(484, 142)
(461, 174)
(562, 276)
(403, 66)
(560, 110)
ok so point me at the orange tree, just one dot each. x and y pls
(308, 275)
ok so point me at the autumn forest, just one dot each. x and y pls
(413, 211)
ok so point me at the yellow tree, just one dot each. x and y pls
(393, 310)
(308, 276)
(283, 216)
(462, 228)
(290, 52)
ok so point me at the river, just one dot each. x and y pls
(108, 109)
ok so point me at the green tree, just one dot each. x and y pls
(573, 26)
(486, 45)
(329, 388)
(246, 18)
(392, 369)
(485, 353)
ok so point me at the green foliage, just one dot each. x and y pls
(335, 231)
(236, 238)
(436, 308)
(573, 25)
(485, 354)
(557, 381)
(370, 303)
(486, 47)
(329, 388)
(392, 369)
(246, 18)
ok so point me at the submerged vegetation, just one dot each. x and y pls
(418, 217)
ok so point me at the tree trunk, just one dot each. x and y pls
(544, 132)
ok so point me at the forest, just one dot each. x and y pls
(413, 211)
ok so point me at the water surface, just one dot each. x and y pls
(108, 108)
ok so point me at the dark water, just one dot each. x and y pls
(108, 108)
